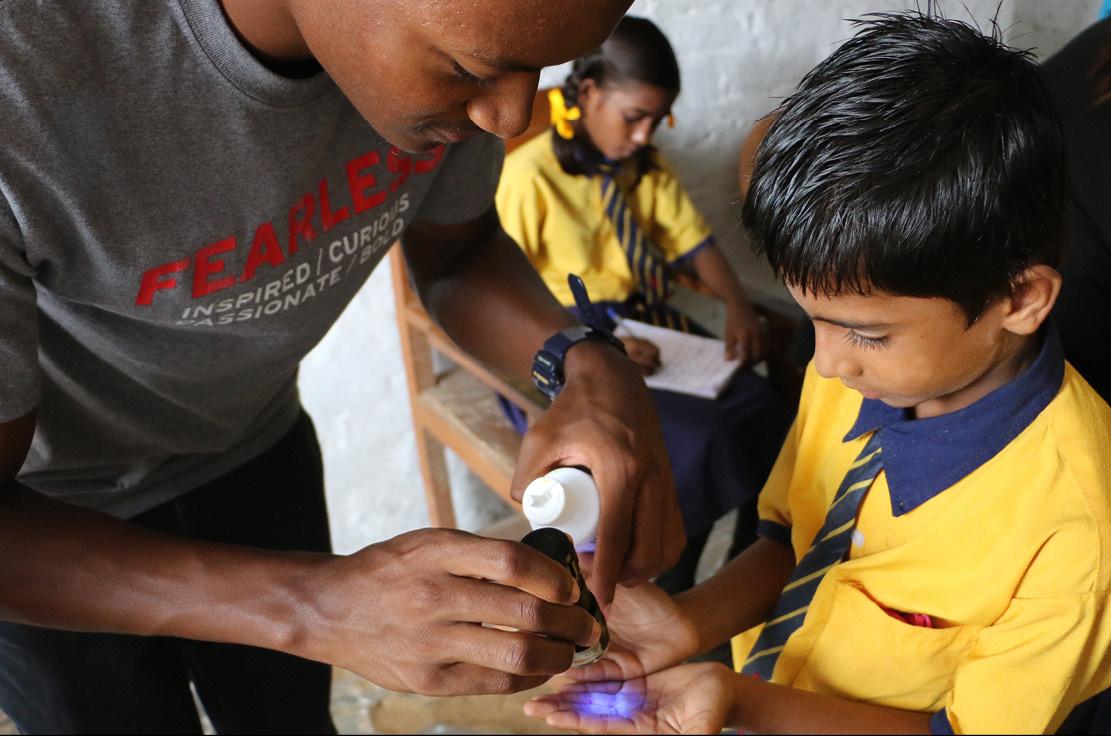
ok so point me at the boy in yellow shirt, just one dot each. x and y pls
(935, 550)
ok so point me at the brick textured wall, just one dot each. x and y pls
(738, 58)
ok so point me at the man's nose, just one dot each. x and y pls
(505, 108)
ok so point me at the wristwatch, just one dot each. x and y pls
(547, 366)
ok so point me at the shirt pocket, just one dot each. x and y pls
(863, 653)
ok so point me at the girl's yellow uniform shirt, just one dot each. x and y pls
(995, 521)
(558, 221)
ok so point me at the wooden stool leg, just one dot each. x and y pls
(437, 489)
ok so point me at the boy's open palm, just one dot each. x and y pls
(648, 633)
(691, 698)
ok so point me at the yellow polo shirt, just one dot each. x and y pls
(558, 221)
(995, 521)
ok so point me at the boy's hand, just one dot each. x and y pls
(692, 698)
(648, 633)
(604, 420)
(744, 334)
(642, 352)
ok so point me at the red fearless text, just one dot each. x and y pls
(369, 183)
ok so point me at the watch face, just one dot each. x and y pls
(546, 362)
(547, 366)
(547, 373)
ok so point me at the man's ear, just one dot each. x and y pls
(1032, 298)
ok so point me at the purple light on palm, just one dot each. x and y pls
(608, 700)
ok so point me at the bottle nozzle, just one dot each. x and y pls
(543, 500)
(565, 498)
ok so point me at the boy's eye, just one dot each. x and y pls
(862, 341)
(460, 72)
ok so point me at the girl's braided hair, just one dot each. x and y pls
(636, 51)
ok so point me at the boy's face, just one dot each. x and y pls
(916, 353)
(426, 72)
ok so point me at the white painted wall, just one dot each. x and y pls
(738, 57)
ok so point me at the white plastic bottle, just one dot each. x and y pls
(567, 499)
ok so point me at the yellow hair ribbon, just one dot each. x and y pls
(562, 115)
(670, 120)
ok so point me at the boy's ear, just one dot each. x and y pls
(1032, 299)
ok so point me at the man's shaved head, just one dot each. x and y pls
(424, 72)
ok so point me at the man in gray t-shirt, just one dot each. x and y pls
(191, 191)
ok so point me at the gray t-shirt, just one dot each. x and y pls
(179, 226)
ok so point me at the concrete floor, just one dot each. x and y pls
(361, 707)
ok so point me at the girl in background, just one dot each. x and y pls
(594, 198)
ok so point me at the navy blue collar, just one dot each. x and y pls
(923, 457)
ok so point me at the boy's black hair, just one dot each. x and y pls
(922, 158)
(636, 51)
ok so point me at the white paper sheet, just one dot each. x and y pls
(689, 364)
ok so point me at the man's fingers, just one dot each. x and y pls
(642, 560)
(659, 538)
(499, 605)
(515, 653)
(673, 536)
(512, 564)
(468, 679)
(613, 540)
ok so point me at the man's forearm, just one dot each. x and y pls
(69, 568)
(751, 583)
(764, 707)
(494, 304)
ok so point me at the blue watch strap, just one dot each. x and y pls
(592, 316)
(547, 366)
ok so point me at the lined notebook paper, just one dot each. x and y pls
(689, 364)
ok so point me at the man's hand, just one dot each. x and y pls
(481, 288)
(408, 614)
(604, 420)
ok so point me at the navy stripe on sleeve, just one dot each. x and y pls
(687, 257)
(939, 723)
(774, 531)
